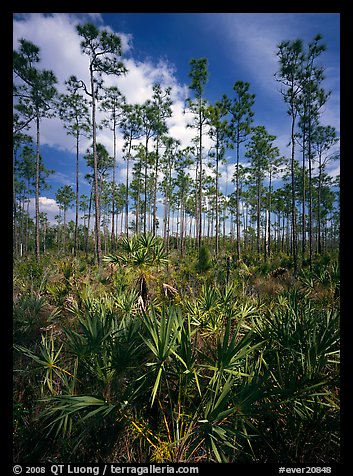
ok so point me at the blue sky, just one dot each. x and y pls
(158, 48)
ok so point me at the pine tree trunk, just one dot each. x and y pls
(95, 166)
(258, 206)
(217, 225)
(319, 247)
(37, 192)
(154, 231)
(200, 174)
(114, 185)
(238, 201)
(304, 199)
(64, 237)
(294, 215)
(145, 190)
(127, 190)
(310, 209)
(76, 217)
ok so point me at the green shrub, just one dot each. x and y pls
(204, 260)
(27, 315)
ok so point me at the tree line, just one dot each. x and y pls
(300, 217)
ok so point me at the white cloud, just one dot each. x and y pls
(50, 207)
(46, 205)
(253, 40)
(137, 84)
(334, 169)
(251, 44)
(331, 112)
(60, 52)
(178, 122)
(63, 179)
(58, 41)
(95, 17)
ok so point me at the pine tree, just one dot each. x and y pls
(103, 49)
(113, 103)
(199, 78)
(64, 197)
(242, 117)
(291, 75)
(73, 111)
(35, 93)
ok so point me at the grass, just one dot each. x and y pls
(244, 372)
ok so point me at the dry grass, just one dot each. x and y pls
(272, 285)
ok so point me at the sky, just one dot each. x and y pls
(157, 48)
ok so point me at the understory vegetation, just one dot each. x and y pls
(153, 357)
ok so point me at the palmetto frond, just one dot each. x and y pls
(140, 251)
(144, 254)
(161, 337)
(61, 409)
